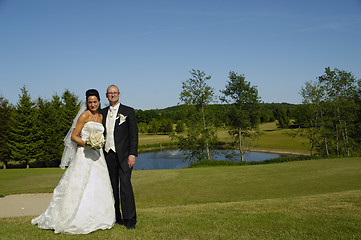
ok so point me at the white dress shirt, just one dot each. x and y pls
(109, 125)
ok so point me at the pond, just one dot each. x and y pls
(173, 159)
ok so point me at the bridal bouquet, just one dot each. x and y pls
(95, 140)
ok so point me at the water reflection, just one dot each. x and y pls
(173, 159)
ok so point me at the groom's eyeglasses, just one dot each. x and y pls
(112, 93)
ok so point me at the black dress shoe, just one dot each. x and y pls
(121, 222)
(130, 226)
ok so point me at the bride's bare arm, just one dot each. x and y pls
(78, 127)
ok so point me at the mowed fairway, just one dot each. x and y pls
(147, 139)
(278, 140)
(315, 199)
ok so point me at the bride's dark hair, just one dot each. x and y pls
(92, 92)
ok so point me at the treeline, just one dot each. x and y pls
(32, 132)
(160, 121)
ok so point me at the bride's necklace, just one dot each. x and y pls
(95, 117)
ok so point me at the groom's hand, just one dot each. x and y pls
(131, 161)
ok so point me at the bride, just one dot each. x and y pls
(82, 202)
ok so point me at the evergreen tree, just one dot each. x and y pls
(5, 115)
(70, 108)
(50, 115)
(42, 125)
(25, 141)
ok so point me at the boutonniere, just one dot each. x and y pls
(122, 118)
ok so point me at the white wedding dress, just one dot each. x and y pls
(82, 202)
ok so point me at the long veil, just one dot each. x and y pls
(70, 147)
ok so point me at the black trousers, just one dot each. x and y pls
(122, 187)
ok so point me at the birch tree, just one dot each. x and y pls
(333, 108)
(200, 138)
(244, 114)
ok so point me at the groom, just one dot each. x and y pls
(121, 148)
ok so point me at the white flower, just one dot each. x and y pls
(122, 118)
(95, 140)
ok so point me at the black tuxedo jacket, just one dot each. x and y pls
(125, 134)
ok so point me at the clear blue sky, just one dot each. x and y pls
(147, 48)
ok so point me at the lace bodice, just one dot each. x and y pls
(90, 127)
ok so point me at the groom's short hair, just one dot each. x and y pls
(112, 86)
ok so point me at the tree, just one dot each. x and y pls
(5, 115)
(179, 127)
(283, 119)
(154, 126)
(51, 118)
(147, 116)
(69, 109)
(356, 133)
(37, 129)
(315, 108)
(143, 127)
(56, 118)
(244, 114)
(332, 112)
(166, 126)
(341, 89)
(24, 137)
(200, 138)
(43, 125)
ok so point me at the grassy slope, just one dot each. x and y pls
(146, 139)
(316, 199)
(273, 139)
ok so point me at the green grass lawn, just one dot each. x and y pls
(34, 180)
(315, 199)
(273, 139)
(150, 139)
